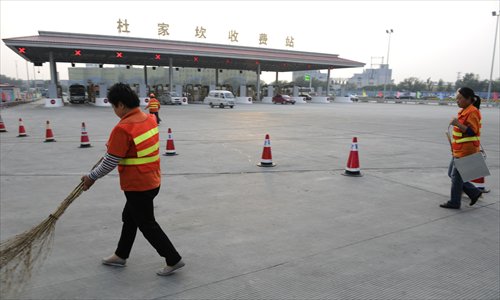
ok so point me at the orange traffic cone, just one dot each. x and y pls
(84, 140)
(353, 168)
(22, 130)
(2, 125)
(49, 135)
(170, 151)
(267, 157)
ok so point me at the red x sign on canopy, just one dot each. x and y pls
(78, 52)
(119, 54)
(157, 56)
(195, 59)
(22, 50)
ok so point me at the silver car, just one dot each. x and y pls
(171, 98)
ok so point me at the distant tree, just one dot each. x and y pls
(12, 81)
(449, 87)
(411, 84)
(469, 80)
(428, 84)
(440, 85)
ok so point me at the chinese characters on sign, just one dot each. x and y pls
(122, 26)
(163, 29)
(200, 32)
(233, 36)
(263, 39)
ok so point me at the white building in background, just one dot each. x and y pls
(371, 77)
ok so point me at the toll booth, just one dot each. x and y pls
(298, 100)
(270, 94)
(243, 98)
(57, 101)
(100, 94)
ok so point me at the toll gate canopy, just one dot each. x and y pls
(117, 50)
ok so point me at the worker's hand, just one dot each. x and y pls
(454, 122)
(87, 182)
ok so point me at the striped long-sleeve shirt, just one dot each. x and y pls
(108, 163)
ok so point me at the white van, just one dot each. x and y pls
(219, 98)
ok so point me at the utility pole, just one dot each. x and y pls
(389, 32)
(497, 15)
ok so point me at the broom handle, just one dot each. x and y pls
(72, 196)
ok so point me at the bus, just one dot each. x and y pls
(77, 93)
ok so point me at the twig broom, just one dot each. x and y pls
(19, 254)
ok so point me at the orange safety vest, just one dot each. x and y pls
(153, 105)
(463, 146)
(140, 170)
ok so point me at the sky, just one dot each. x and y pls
(430, 39)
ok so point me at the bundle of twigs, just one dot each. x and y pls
(19, 254)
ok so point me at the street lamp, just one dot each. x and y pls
(389, 32)
(494, 14)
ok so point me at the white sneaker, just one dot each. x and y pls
(114, 260)
(168, 270)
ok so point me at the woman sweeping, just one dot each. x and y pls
(133, 146)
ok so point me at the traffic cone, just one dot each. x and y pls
(84, 141)
(480, 184)
(170, 144)
(267, 157)
(2, 125)
(49, 135)
(22, 130)
(352, 168)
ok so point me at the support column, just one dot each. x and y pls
(53, 76)
(146, 75)
(328, 83)
(53, 100)
(258, 82)
(170, 74)
(216, 77)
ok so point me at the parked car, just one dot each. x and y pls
(172, 98)
(353, 97)
(283, 99)
(306, 96)
(219, 98)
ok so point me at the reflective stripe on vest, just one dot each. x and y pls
(142, 157)
(467, 139)
(139, 160)
(145, 136)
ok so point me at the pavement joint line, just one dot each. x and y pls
(229, 172)
(317, 253)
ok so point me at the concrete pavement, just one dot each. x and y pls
(296, 231)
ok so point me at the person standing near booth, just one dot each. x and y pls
(133, 146)
(465, 141)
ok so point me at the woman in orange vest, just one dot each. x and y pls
(465, 141)
(133, 146)
(154, 107)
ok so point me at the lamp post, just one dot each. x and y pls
(497, 15)
(389, 32)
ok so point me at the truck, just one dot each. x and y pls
(77, 93)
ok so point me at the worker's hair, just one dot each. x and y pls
(121, 92)
(468, 94)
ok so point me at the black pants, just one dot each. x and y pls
(157, 114)
(139, 213)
